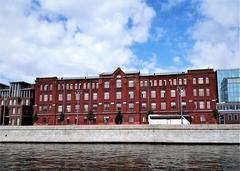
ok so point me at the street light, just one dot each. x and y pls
(4, 109)
(180, 91)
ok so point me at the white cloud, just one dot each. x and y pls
(217, 35)
(170, 4)
(69, 37)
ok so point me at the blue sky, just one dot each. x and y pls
(76, 38)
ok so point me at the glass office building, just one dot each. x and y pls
(228, 85)
(228, 82)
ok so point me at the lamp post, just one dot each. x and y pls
(4, 110)
(180, 89)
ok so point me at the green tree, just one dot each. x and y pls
(62, 117)
(119, 118)
(90, 116)
(35, 118)
(215, 113)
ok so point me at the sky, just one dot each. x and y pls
(71, 38)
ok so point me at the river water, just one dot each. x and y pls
(118, 157)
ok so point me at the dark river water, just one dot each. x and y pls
(118, 157)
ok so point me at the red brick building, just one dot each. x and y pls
(132, 93)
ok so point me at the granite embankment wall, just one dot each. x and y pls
(183, 134)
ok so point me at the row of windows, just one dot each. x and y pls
(146, 83)
(16, 102)
(106, 106)
(232, 117)
(118, 83)
(199, 92)
(229, 107)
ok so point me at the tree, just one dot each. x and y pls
(62, 117)
(35, 118)
(119, 118)
(215, 113)
(90, 116)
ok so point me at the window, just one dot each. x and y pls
(59, 87)
(93, 85)
(207, 92)
(163, 93)
(200, 80)
(184, 104)
(195, 105)
(119, 83)
(68, 120)
(174, 81)
(76, 86)
(170, 82)
(235, 117)
(69, 96)
(118, 106)
(164, 82)
(153, 106)
(68, 108)
(201, 105)
(27, 102)
(207, 80)
(85, 108)
(131, 119)
(153, 94)
(130, 83)
(173, 105)
(106, 106)
(130, 106)
(106, 119)
(84, 85)
(71, 86)
(208, 105)
(77, 96)
(118, 95)
(77, 108)
(106, 84)
(160, 82)
(229, 117)
(185, 81)
(67, 86)
(50, 87)
(45, 97)
(41, 87)
(14, 111)
(40, 98)
(50, 97)
(194, 80)
(155, 83)
(86, 96)
(106, 95)
(60, 97)
(96, 85)
(180, 81)
(45, 88)
(75, 120)
(44, 120)
(40, 109)
(95, 96)
(145, 83)
(144, 106)
(143, 94)
(194, 92)
(88, 85)
(131, 95)
(163, 106)
(201, 92)
(94, 107)
(59, 108)
(202, 118)
(173, 93)
(183, 92)
(14, 102)
(141, 83)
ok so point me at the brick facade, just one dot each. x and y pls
(132, 93)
